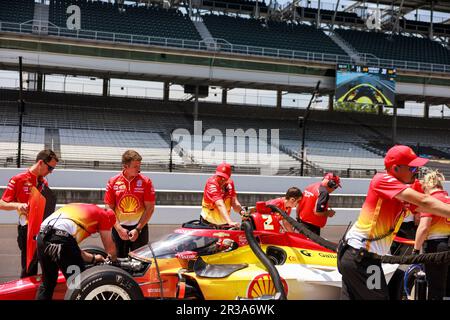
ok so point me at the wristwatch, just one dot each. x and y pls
(138, 230)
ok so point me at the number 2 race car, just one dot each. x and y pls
(196, 262)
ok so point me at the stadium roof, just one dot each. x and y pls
(441, 6)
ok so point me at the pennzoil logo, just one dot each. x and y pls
(221, 234)
(262, 285)
(129, 204)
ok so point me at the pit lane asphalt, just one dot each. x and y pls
(10, 254)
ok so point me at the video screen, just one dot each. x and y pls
(365, 85)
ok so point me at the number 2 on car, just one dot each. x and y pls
(267, 221)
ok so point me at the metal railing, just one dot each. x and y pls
(219, 45)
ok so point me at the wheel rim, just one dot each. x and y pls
(108, 292)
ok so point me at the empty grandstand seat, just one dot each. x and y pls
(17, 11)
(396, 47)
(327, 15)
(271, 34)
(126, 19)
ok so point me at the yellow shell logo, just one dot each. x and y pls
(263, 285)
(129, 204)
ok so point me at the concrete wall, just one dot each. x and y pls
(186, 181)
(176, 215)
(164, 214)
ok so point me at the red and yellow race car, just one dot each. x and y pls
(195, 262)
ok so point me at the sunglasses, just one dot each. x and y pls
(411, 169)
(50, 168)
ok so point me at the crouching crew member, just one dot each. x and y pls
(313, 211)
(286, 203)
(60, 234)
(379, 219)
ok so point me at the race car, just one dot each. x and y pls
(195, 262)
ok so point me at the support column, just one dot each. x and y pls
(394, 126)
(279, 99)
(426, 110)
(431, 20)
(40, 82)
(196, 104)
(224, 95)
(106, 82)
(331, 102)
(318, 15)
(166, 93)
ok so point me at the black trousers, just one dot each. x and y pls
(359, 277)
(310, 227)
(437, 274)
(22, 232)
(56, 253)
(125, 246)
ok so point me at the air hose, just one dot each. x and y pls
(305, 231)
(410, 270)
(430, 258)
(247, 226)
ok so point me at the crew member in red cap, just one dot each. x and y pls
(379, 219)
(219, 197)
(57, 242)
(313, 211)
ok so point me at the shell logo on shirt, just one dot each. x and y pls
(262, 285)
(129, 204)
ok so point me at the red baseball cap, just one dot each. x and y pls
(331, 176)
(403, 155)
(224, 170)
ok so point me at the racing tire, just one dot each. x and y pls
(104, 283)
(95, 250)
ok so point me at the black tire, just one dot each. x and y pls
(95, 250)
(105, 283)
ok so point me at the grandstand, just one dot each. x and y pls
(396, 47)
(128, 19)
(94, 137)
(270, 34)
(16, 11)
(209, 51)
(294, 42)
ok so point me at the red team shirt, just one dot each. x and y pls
(211, 194)
(315, 199)
(279, 202)
(80, 220)
(440, 226)
(128, 197)
(19, 188)
(380, 213)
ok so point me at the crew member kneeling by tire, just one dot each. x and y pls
(57, 242)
